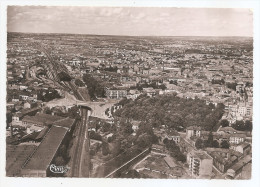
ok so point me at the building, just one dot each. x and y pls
(39, 121)
(223, 159)
(17, 117)
(135, 125)
(229, 130)
(35, 137)
(240, 87)
(200, 164)
(92, 127)
(170, 161)
(236, 170)
(23, 97)
(37, 165)
(15, 158)
(150, 91)
(158, 149)
(237, 138)
(193, 131)
(116, 93)
(29, 105)
(244, 148)
(173, 135)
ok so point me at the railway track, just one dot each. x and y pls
(54, 68)
(76, 169)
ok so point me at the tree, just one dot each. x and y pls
(180, 157)
(144, 140)
(105, 148)
(47, 110)
(165, 141)
(8, 118)
(50, 95)
(209, 141)
(73, 112)
(175, 121)
(64, 76)
(239, 125)
(248, 126)
(116, 148)
(170, 110)
(232, 86)
(93, 135)
(215, 144)
(123, 101)
(126, 128)
(94, 86)
(224, 123)
(145, 128)
(220, 106)
(199, 144)
(171, 145)
(225, 144)
(106, 127)
(162, 86)
(79, 83)
(218, 81)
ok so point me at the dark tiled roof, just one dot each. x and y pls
(46, 151)
(66, 122)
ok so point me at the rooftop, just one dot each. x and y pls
(193, 128)
(15, 157)
(241, 163)
(66, 122)
(173, 133)
(201, 155)
(230, 129)
(244, 145)
(46, 151)
(170, 162)
(44, 119)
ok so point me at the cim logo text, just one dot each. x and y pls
(58, 169)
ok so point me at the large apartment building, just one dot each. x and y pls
(200, 164)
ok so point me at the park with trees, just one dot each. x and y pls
(95, 88)
(171, 111)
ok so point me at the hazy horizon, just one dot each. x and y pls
(131, 21)
(128, 35)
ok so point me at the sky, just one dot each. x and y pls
(132, 21)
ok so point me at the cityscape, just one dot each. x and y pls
(117, 106)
